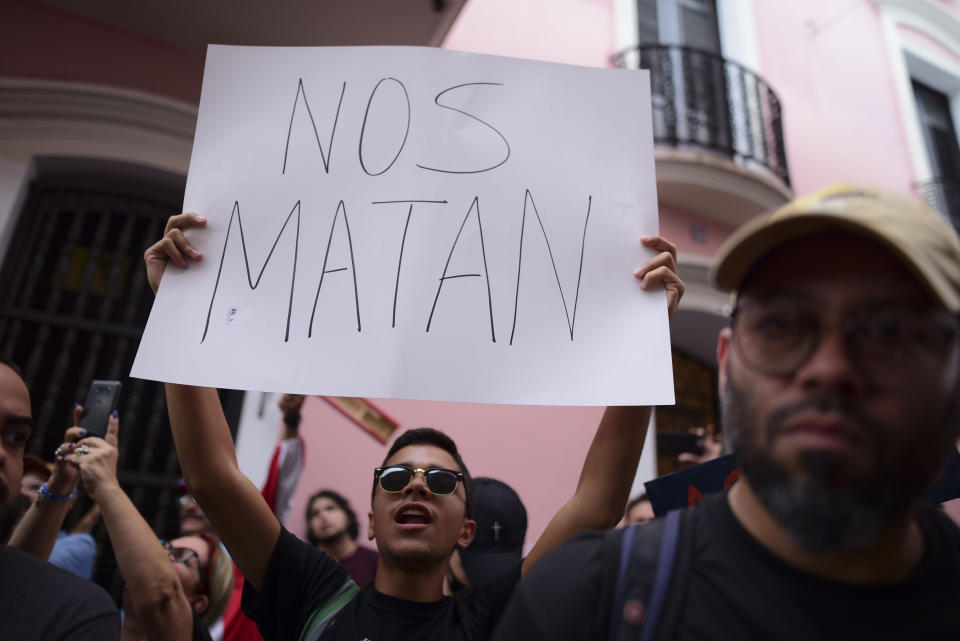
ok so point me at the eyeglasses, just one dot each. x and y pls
(180, 555)
(394, 478)
(184, 555)
(889, 345)
(185, 500)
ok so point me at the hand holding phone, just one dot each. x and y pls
(102, 399)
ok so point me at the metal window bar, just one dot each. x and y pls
(73, 304)
(943, 194)
(702, 99)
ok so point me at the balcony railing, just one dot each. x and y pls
(701, 99)
(943, 194)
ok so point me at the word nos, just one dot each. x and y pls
(364, 161)
(341, 213)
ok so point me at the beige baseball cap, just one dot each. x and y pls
(920, 236)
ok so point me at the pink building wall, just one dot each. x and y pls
(692, 233)
(579, 32)
(925, 41)
(537, 450)
(832, 73)
(39, 42)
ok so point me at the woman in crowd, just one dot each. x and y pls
(172, 588)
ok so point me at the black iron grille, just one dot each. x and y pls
(943, 194)
(702, 99)
(73, 303)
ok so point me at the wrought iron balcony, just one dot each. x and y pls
(943, 194)
(702, 99)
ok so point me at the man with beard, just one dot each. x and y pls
(839, 384)
(38, 600)
(333, 528)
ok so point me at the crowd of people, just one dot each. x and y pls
(839, 380)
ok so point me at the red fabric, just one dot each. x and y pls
(236, 625)
(270, 487)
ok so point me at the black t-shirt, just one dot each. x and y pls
(737, 589)
(41, 601)
(300, 581)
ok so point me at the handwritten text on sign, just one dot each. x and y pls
(417, 223)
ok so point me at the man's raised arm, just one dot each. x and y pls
(611, 462)
(234, 505)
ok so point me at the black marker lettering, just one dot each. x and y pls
(253, 285)
(436, 100)
(363, 128)
(403, 242)
(323, 156)
(325, 271)
(528, 197)
(486, 272)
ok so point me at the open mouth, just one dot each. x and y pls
(413, 515)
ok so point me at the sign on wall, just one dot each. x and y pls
(417, 223)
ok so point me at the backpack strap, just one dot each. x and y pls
(676, 591)
(647, 588)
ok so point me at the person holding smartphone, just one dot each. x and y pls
(169, 585)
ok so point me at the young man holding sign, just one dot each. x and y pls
(420, 509)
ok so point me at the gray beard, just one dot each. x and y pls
(817, 515)
(820, 512)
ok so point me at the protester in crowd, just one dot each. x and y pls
(838, 381)
(283, 474)
(192, 518)
(421, 508)
(712, 446)
(40, 601)
(74, 551)
(194, 522)
(173, 589)
(286, 464)
(332, 528)
(639, 510)
(36, 472)
(497, 544)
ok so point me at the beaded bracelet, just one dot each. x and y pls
(47, 495)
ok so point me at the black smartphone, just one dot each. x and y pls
(102, 399)
(674, 442)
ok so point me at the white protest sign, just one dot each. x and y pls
(417, 223)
